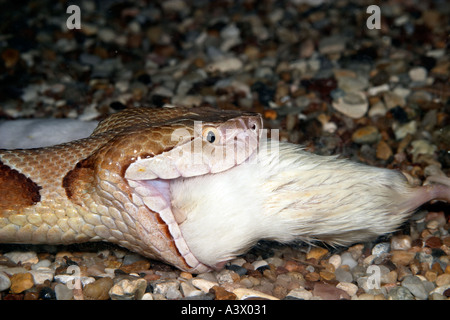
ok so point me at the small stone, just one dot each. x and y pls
(203, 284)
(42, 275)
(332, 45)
(300, 293)
(368, 134)
(62, 292)
(98, 290)
(415, 286)
(384, 151)
(348, 260)
(312, 276)
(353, 104)
(128, 290)
(433, 242)
(222, 294)
(329, 292)
(335, 260)
(348, 287)
(403, 258)
(326, 275)
(418, 74)
(224, 65)
(188, 290)
(10, 57)
(443, 280)
(136, 267)
(21, 282)
(5, 282)
(403, 130)
(316, 253)
(22, 257)
(343, 275)
(392, 100)
(381, 248)
(259, 263)
(249, 294)
(169, 289)
(402, 242)
(390, 277)
(400, 293)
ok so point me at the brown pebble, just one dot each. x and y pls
(98, 290)
(327, 276)
(443, 279)
(21, 282)
(403, 258)
(312, 276)
(433, 242)
(293, 266)
(329, 292)
(431, 276)
(384, 152)
(136, 266)
(316, 253)
(10, 57)
(222, 294)
(186, 275)
(31, 296)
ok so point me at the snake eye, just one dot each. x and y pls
(211, 135)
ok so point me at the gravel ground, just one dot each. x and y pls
(312, 68)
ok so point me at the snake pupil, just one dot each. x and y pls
(211, 137)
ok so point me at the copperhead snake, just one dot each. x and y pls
(136, 182)
(111, 186)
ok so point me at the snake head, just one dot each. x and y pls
(145, 161)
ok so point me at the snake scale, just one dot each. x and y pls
(195, 187)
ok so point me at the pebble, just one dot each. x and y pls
(348, 287)
(203, 284)
(400, 293)
(316, 253)
(21, 282)
(329, 292)
(5, 282)
(443, 280)
(418, 74)
(300, 293)
(403, 258)
(353, 104)
(249, 294)
(402, 242)
(169, 289)
(335, 260)
(343, 275)
(62, 292)
(415, 286)
(348, 260)
(22, 257)
(189, 290)
(128, 289)
(367, 134)
(98, 290)
(384, 151)
(42, 275)
(381, 248)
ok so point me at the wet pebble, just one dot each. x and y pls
(21, 282)
(97, 290)
(128, 289)
(5, 282)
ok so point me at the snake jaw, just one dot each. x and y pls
(150, 178)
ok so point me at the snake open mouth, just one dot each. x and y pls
(215, 149)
